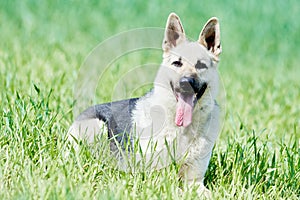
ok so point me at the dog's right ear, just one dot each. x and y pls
(174, 33)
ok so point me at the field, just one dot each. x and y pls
(43, 45)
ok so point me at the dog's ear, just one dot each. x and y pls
(210, 37)
(174, 33)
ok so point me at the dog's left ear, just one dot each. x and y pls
(174, 33)
(210, 37)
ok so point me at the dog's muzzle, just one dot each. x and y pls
(189, 85)
(187, 93)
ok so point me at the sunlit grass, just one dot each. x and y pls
(42, 47)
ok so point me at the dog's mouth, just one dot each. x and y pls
(186, 100)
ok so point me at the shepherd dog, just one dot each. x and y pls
(178, 120)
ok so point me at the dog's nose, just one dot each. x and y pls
(187, 84)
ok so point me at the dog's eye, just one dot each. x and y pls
(177, 63)
(200, 65)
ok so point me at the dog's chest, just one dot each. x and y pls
(155, 122)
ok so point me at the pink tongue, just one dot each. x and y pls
(184, 110)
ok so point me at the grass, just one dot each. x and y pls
(42, 47)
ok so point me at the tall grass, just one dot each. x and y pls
(42, 47)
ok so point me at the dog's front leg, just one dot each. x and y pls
(200, 153)
(194, 169)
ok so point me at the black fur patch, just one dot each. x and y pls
(200, 65)
(117, 116)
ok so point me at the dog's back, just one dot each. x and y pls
(113, 117)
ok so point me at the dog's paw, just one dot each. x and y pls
(203, 192)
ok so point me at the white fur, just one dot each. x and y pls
(154, 114)
(197, 140)
(87, 129)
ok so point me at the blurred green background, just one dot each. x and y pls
(44, 43)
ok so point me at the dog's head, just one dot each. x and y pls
(191, 66)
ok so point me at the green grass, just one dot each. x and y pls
(43, 45)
